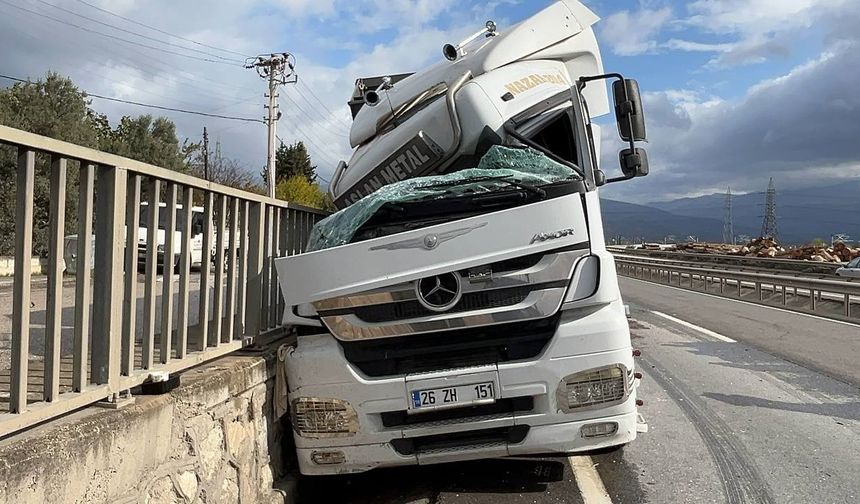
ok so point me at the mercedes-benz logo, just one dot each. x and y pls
(430, 241)
(439, 293)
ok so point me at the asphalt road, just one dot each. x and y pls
(745, 404)
(38, 299)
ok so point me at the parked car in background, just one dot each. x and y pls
(851, 270)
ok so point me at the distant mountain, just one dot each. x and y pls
(632, 221)
(802, 215)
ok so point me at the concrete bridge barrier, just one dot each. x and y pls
(214, 439)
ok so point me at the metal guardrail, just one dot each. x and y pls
(743, 267)
(796, 293)
(782, 264)
(112, 351)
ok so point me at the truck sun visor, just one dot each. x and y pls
(499, 167)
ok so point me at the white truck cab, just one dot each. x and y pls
(483, 319)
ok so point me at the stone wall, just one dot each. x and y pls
(211, 440)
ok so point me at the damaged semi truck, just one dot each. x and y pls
(462, 303)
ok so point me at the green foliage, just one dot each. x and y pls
(56, 108)
(293, 160)
(146, 139)
(298, 189)
(818, 242)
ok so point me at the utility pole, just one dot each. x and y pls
(768, 225)
(278, 69)
(728, 224)
(205, 154)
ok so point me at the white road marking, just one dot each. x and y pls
(802, 314)
(694, 327)
(588, 480)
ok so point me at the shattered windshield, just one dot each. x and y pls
(501, 168)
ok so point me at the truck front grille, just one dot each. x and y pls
(501, 408)
(525, 288)
(440, 443)
(450, 349)
(480, 300)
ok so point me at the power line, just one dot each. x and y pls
(154, 39)
(332, 115)
(322, 124)
(149, 105)
(114, 37)
(121, 55)
(194, 112)
(160, 30)
(317, 98)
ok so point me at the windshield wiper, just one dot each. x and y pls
(500, 178)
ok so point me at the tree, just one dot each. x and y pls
(292, 160)
(56, 108)
(146, 139)
(53, 107)
(222, 170)
(298, 189)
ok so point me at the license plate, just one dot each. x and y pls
(452, 397)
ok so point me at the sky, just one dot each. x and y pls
(735, 91)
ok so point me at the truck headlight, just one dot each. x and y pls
(314, 417)
(595, 388)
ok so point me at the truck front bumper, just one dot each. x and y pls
(586, 339)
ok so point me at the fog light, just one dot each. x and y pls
(323, 418)
(328, 457)
(601, 429)
(594, 388)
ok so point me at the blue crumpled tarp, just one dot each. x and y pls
(498, 165)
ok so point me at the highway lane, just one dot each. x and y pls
(828, 346)
(729, 422)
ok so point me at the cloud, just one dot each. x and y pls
(690, 46)
(758, 29)
(631, 33)
(799, 128)
(303, 8)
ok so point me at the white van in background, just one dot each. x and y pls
(70, 242)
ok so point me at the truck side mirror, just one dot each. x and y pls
(628, 110)
(634, 163)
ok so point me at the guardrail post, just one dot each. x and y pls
(185, 272)
(107, 283)
(205, 269)
(54, 308)
(217, 326)
(83, 292)
(147, 353)
(132, 234)
(254, 294)
(21, 282)
(167, 291)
